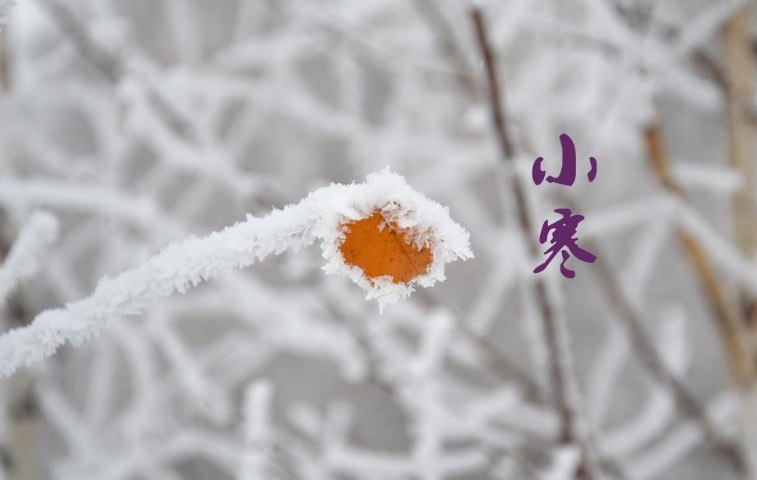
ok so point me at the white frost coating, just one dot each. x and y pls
(427, 222)
(433, 343)
(23, 259)
(320, 216)
(672, 339)
(671, 342)
(257, 431)
(714, 178)
(610, 360)
(722, 251)
(680, 440)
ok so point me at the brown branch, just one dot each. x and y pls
(498, 116)
(524, 218)
(731, 325)
(740, 60)
(740, 64)
(727, 316)
(553, 330)
(641, 342)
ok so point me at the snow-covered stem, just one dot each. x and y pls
(177, 268)
(25, 255)
(198, 125)
(257, 431)
(180, 266)
(559, 355)
(500, 361)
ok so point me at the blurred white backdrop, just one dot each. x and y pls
(137, 123)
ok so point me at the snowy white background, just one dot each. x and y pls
(128, 125)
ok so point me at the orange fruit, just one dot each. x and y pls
(383, 251)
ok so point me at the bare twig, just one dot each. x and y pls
(728, 318)
(740, 63)
(498, 117)
(558, 354)
(640, 340)
(642, 343)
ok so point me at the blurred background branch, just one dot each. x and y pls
(141, 123)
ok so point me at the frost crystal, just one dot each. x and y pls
(426, 222)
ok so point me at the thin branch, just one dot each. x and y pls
(727, 316)
(739, 353)
(184, 265)
(640, 340)
(643, 345)
(740, 62)
(498, 117)
(557, 350)
(450, 48)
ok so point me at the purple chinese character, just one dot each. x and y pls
(568, 171)
(563, 241)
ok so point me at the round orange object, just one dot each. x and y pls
(383, 251)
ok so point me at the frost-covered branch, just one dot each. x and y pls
(257, 432)
(143, 126)
(25, 255)
(321, 216)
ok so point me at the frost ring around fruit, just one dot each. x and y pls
(330, 214)
(388, 238)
